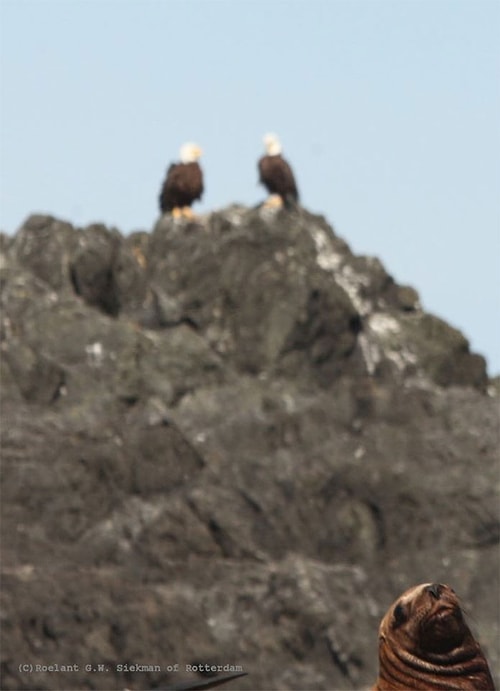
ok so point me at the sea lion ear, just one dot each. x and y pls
(399, 615)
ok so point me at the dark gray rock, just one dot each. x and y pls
(39, 379)
(93, 268)
(230, 441)
(44, 246)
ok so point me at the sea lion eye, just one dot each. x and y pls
(399, 614)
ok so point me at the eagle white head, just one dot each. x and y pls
(190, 152)
(272, 145)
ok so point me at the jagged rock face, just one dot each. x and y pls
(230, 441)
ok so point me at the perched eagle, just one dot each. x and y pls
(183, 183)
(276, 175)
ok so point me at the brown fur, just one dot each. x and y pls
(424, 643)
(182, 186)
(277, 176)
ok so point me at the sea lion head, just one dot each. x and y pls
(425, 643)
(428, 618)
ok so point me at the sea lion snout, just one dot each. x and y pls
(435, 589)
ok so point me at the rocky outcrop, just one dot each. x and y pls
(232, 442)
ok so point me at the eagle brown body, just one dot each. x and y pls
(425, 643)
(276, 174)
(183, 183)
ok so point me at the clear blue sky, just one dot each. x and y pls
(388, 110)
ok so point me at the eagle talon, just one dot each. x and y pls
(187, 212)
(176, 212)
(273, 202)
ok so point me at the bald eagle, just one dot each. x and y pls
(276, 175)
(183, 183)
